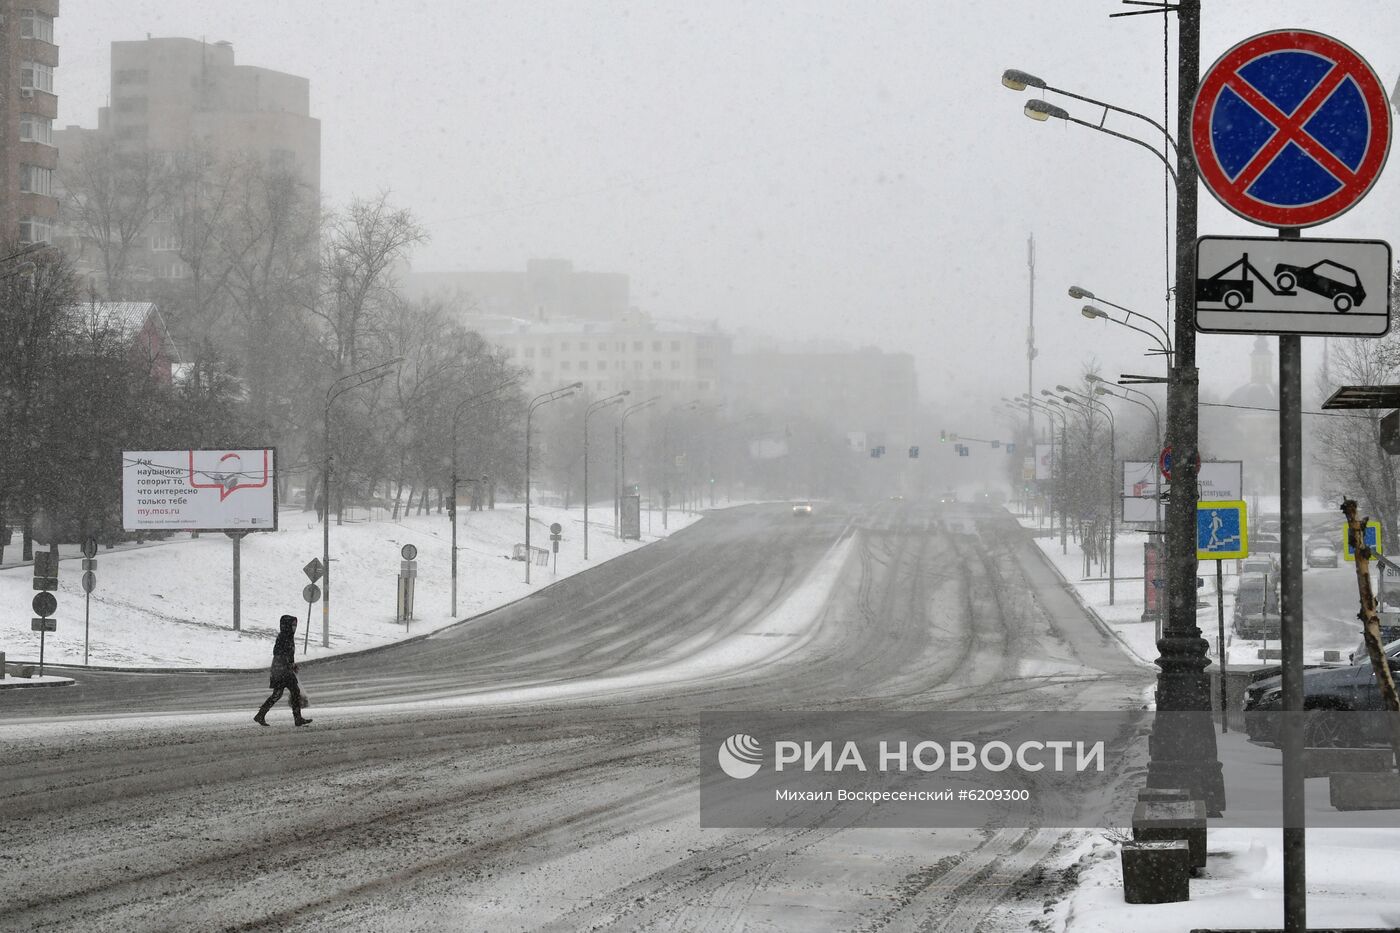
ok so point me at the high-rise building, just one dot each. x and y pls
(28, 106)
(171, 96)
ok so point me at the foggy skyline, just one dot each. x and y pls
(800, 170)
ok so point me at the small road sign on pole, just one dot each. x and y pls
(1373, 541)
(1267, 285)
(1290, 128)
(1222, 531)
(313, 570)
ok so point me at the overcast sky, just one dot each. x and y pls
(846, 170)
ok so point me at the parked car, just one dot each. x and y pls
(1258, 564)
(1256, 606)
(1321, 554)
(1389, 633)
(1332, 695)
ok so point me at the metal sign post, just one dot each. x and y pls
(1222, 533)
(89, 584)
(311, 593)
(1290, 129)
(237, 537)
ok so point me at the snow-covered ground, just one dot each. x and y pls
(1350, 871)
(1124, 615)
(170, 604)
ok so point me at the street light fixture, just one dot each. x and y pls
(544, 398)
(1091, 312)
(588, 413)
(1018, 80)
(1076, 292)
(462, 406)
(364, 377)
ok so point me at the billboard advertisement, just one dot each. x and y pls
(1044, 461)
(199, 490)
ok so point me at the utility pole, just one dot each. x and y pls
(1030, 357)
(1183, 746)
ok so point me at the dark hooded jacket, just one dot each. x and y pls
(283, 673)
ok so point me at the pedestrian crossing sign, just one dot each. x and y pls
(1373, 540)
(1222, 531)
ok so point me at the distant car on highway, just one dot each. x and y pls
(802, 508)
(1326, 278)
(948, 496)
(1321, 554)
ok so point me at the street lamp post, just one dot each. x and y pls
(1060, 464)
(621, 454)
(452, 500)
(1091, 404)
(335, 390)
(1183, 751)
(544, 398)
(1101, 388)
(588, 413)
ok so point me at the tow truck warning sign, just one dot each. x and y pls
(1264, 285)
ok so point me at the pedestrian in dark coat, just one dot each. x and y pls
(283, 675)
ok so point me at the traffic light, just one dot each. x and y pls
(1010, 447)
(942, 437)
(913, 453)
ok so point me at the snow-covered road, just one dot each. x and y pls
(537, 768)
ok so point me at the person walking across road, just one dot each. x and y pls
(283, 674)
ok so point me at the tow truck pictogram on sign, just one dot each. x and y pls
(1276, 286)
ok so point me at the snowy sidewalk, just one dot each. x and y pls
(1350, 871)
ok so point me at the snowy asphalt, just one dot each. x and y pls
(536, 769)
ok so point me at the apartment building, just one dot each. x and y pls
(28, 106)
(681, 362)
(172, 96)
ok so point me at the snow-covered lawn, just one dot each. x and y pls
(171, 604)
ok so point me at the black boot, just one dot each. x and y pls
(260, 717)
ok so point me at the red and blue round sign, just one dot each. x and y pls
(1290, 128)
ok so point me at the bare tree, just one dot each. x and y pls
(111, 197)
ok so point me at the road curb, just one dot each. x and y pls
(1089, 610)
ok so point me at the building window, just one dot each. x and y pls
(583, 366)
(675, 346)
(582, 345)
(705, 362)
(636, 345)
(565, 366)
(655, 364)
(36, 76)
(546, 352)
(602, 365)
(35, 230)
(165, 242)
(175, 271)
(35, 25)
(35, 180)
(637, 365)
(656, 346)
(131, 76)
(622, 346)
(35, 129)
(675, 364)
(563, 346)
